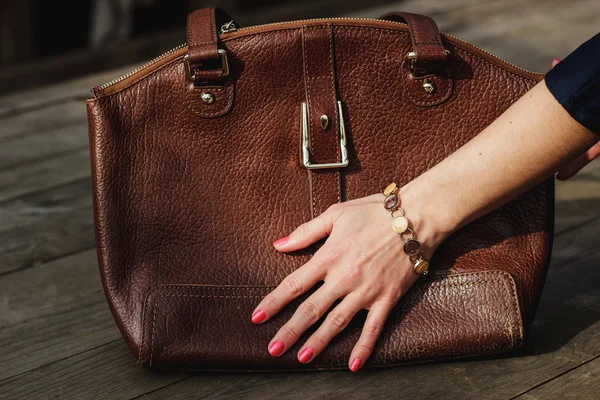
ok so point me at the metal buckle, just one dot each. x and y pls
(305, 138)
(224, 63)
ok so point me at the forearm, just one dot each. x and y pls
(525, 145)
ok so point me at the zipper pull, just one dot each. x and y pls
(228, 27)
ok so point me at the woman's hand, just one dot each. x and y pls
(572, 168)
(362, 262)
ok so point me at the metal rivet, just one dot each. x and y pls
(324, 120)
(429, 87)
(208, 98)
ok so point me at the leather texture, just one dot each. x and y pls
(189, 196)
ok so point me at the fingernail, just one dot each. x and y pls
(276, 348)
(557, 60)
(355, 364)
(281, 241)
(259, 316)
(305, 355)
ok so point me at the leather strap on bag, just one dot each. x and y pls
(321, 99)
(202, 42)
(425, 36)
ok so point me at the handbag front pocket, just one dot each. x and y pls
(208, 327)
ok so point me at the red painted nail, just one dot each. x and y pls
(259, 316)
(276, 348)
(281, 241)
(305, 355)
(355, 364)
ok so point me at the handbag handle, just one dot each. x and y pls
(207, 62)
(425, 36)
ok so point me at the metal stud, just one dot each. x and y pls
(208, 98)
(429, 87)
(324, 121)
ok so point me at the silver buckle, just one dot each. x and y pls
(224, 63)
(305, 139)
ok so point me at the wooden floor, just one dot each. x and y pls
(58, 338)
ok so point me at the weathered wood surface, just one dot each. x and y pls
(59, 340)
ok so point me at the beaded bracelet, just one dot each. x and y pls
(412, 247)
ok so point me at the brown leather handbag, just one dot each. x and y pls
(205, 155)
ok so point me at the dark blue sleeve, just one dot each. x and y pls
(575, 82)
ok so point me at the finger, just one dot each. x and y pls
(555, 61)
(293, 286)
(337, 320)
(305, 316)
(374, 323)
(310, 231)
(574, 167)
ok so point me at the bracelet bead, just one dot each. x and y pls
(412, 247)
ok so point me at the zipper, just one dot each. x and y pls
(141, 67)
(230, 27)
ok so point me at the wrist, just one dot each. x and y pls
(432, 221)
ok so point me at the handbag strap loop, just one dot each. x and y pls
(205, 60)
(428, 49)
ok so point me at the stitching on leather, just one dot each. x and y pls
(229, 89)
(438, 281)
(441, 98)
(438, 38)
(414, 35)
(213, 31)
(336, 121)
(190, 30)
(143, 330)
(153, 323)
(307, 87)
(183, 295)
(196, 89)
(517, 311)
(429, 42)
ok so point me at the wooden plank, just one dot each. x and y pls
(581, 383)
(63, 301)
(33, 245)
(39, 207)
(44, 175)
(576, 204)
(77, 63)
(108, 369)
(49, 95)
(51, 289)
(39, 120)
(36, 147)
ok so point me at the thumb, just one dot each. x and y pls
(555, 61)
(311, 231)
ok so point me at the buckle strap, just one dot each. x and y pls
(322, 115)
(204, 57)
